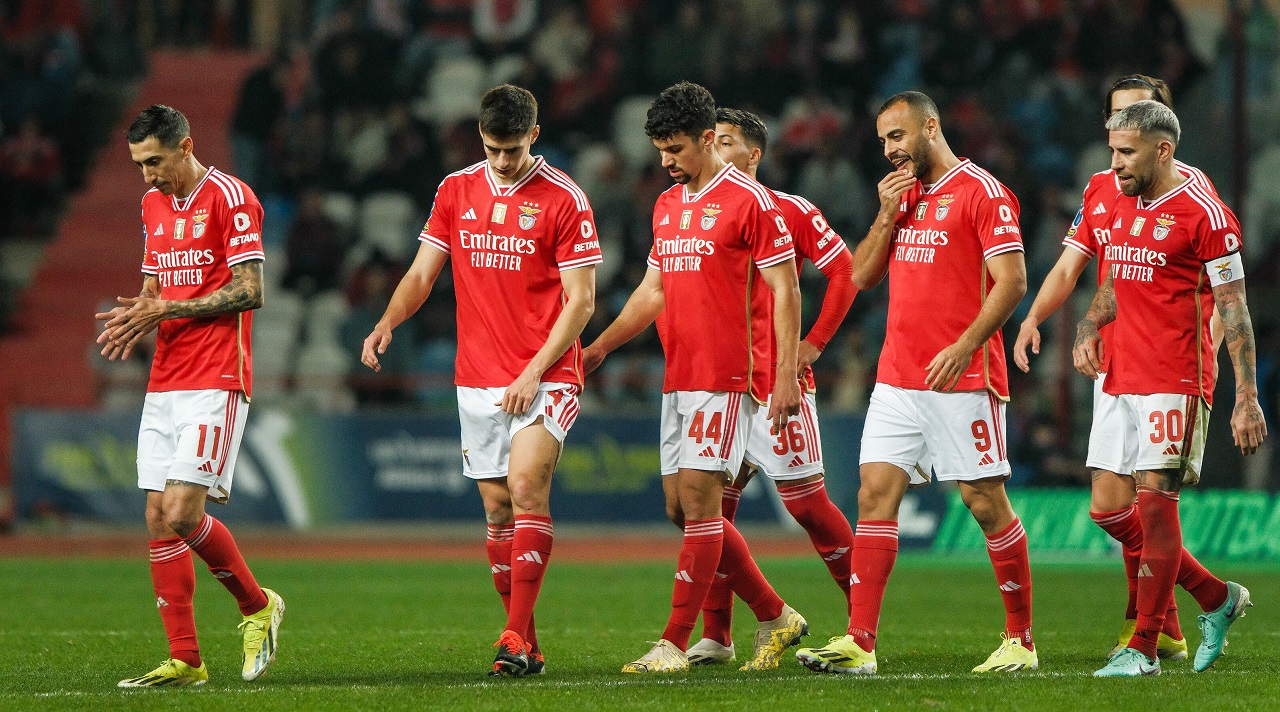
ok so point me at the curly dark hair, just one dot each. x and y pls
(684, 108)
(751, 126)
(508, 111)
(166, 123)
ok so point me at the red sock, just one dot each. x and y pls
(212, 542)
(530, 553)
(497, 545)
(1208, 590)
(729, 501)
(745, 577)
(1125, 526)
(699, 557)
(827, 526)
(1008, 551)
(875, 548)
(1161, 558)
(174, 579)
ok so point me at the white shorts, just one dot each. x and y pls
(487, 429)
(1164, 431)
(959, 435)
(704, 430)
(792, 454)
(192, 436)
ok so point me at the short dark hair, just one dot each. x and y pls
(684, 108)
(918, 101)
(508, 111)
(1160, 91)
(166, 123)
(751, 126)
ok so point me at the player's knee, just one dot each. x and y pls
(182, 522)
(528, 497)
(675, 514)
(876, 503)
(157, 527)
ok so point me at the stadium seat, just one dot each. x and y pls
(388, 222)
(628, 131)
(454, 89)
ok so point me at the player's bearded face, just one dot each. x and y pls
(1134, 161)
(682, 157)
(159, 164)
(912, 154)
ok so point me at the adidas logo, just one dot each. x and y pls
(836, 554)
(1117, 225)
(986, 460)
(159, 231)
(853, 578)
(160, 602)
(470, 214)
(683, 575)
(499, 568)
(1144, 570)
(1099, 210)
(795, 462)
(1009, 587)
(531, 556)
(707, 452)
(207, 467)
(666, 220)
(1173, 450)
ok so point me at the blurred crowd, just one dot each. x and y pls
(365, 105)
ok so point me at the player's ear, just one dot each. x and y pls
(533, 135)
(709, 138)
(186, 145)
(753, 158)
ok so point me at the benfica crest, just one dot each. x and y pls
(709, 217)
(527, 218)
(1161, 230)
(197, 229)
(944, 207)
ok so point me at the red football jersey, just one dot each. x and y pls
(508, 245)
(717, 328)
(191, 245)
(1156, 253)
(1097, 212)
(938, 277)
(814, 241)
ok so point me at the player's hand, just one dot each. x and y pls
(892, 187)
(1087, 353)
(592, 357)
(520, 394)
(948, 366)
(375, 344)
(808, 354)
(785, 402)
(1248, 427)
(1028, 335)
(128, 323)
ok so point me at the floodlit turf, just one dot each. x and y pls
(393, 636)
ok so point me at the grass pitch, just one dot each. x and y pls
(412, 636)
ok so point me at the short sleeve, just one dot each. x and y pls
(577, 243)
(767, 234)
(436, 231)
(1080, 235)
(995, 218)
(1219, 234)
(814, 237)
(244, 231)
(148, 266)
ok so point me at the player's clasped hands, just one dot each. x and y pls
(127, 324)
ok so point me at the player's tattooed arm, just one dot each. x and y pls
(1087, 352)
(244, 293)
(150, 287)
(1248, 426)
(140, 315)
